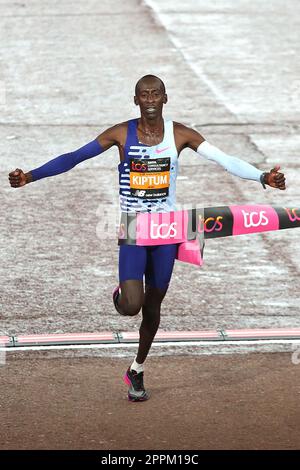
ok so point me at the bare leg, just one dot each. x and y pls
(132, 297)
(151, 319)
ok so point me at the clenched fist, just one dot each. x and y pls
(275, 179)
(17, 178)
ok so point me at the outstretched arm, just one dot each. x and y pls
(192, 139)
(66, 161)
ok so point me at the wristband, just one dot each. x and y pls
(262, 179)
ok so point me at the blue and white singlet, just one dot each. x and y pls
(147, 175)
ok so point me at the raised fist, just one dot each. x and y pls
(275, 179)
(17, 178)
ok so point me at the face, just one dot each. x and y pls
(150, 98)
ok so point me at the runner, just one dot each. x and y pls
(149, 148)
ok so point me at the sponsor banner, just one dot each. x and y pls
(288, 217)
(161, 228)
(191, 252)
(217, 222)
(158, 228)
(254, 219)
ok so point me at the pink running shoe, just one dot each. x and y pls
(116, 293)
(135, 381)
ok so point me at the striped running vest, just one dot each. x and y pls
(147, 175)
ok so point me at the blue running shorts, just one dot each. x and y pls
(155, 262)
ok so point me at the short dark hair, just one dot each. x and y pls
(146, 77)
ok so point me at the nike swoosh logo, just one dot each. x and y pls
(161, 150)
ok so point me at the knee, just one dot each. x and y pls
(132, 308)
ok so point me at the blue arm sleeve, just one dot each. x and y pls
(67, 161)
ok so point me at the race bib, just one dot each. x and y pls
(150, 178)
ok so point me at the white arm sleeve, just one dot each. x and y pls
(232, 164)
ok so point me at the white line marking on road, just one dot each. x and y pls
(157, 344)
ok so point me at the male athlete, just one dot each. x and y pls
(158, 142)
